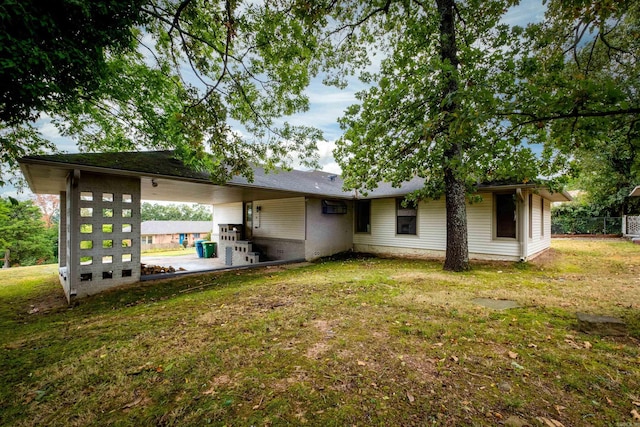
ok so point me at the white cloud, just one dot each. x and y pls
(528, 11)
(332, 168)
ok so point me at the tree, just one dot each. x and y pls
(175, 212)
(580, 77)
(23, 236)
(55, 52)
(246, 62)
(433, 109)
(49, 206)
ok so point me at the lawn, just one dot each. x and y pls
(363, 341)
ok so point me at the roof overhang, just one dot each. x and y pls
(46, 176)
(635, 192)
(560, 196)
(165, 178)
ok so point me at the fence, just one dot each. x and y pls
(586, 225)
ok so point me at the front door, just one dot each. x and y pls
(248, 221)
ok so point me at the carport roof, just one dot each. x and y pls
(175, 181)
(164, 177)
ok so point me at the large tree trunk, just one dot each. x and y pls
(7, 256)
(457, 256)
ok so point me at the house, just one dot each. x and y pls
(278, 216)
(172, 234)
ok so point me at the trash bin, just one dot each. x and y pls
(200, 248)
(209, 249)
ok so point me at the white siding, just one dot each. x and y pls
(481, 225)
(431, 226)
(280, 218)
(327, 234)
(538, 242)
(432, 230)
(228, 213)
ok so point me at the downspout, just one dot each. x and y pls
(522, 221)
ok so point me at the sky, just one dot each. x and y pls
(327, 104)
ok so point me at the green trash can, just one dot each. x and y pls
(209, 249)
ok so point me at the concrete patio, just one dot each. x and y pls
(189, 262)
(192, 264)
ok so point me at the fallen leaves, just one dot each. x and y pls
(133, 403)
(550, 422)
(570, 339)
(513, 355)
(635, 414)
(410, 397)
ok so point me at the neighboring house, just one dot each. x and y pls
(172, 234)
(279, 216)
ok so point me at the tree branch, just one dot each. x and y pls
(364, 19)
(176, 16)
(572, 114)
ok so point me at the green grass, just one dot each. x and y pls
(357, 342)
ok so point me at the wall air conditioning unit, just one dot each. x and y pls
(334, 207)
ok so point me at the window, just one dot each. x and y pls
(196, 235)
(505, 209)
(147, 239)
(406, 217)
(363, 216)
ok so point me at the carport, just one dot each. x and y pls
(100, 197)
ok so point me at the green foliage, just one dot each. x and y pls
(408, 124)
(55, 52)
(581, 217)
(171, 75)
(175, 212)
(580, 76)
(24, 234)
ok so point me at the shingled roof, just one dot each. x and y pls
(151, 165)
